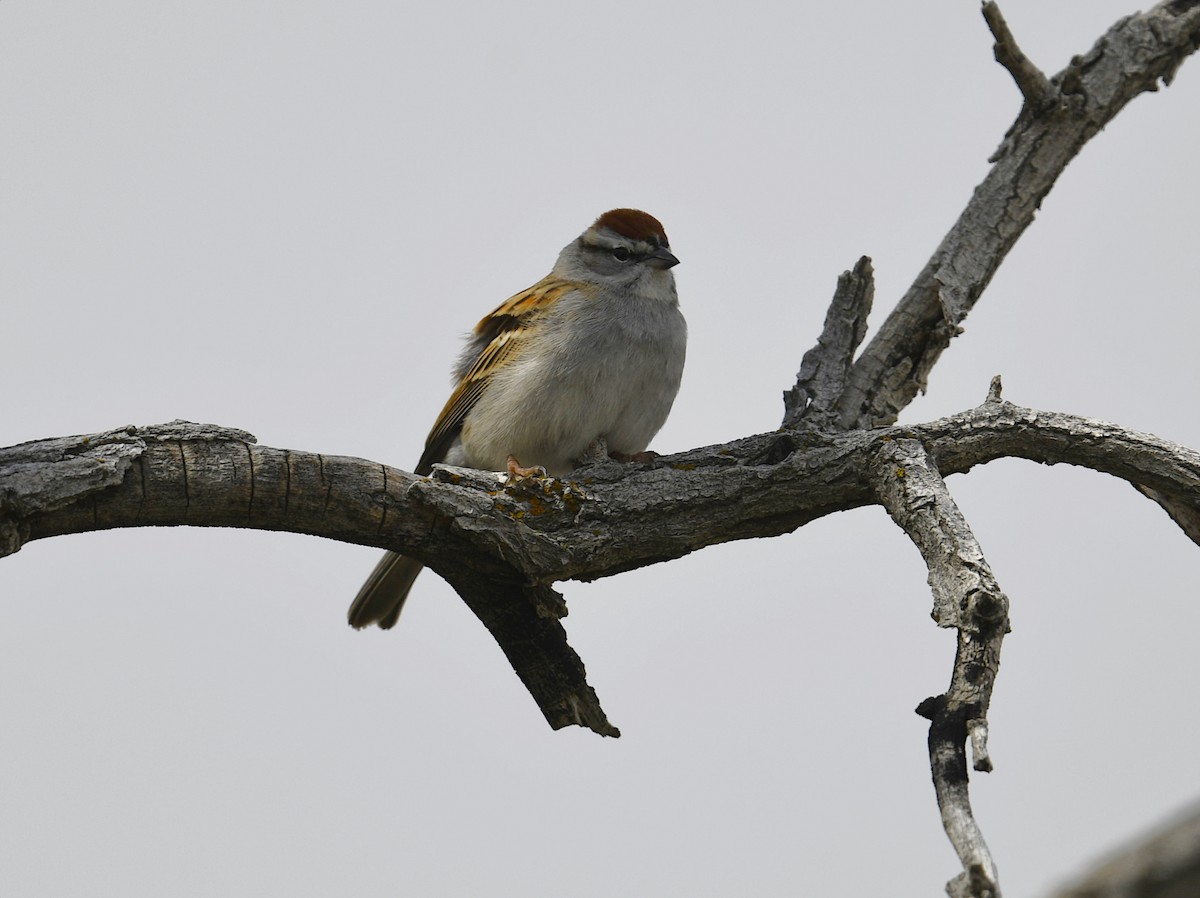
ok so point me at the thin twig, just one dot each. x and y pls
(1039, 93)
(981, 760)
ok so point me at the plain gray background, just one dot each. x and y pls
(283, 216)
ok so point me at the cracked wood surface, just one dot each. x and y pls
(608, 518)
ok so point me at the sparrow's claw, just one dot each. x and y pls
(516, 472)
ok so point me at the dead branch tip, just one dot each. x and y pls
(1035, 87)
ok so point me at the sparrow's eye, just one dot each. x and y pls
(620, 253)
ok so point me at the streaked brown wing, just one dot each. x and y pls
(501, 337)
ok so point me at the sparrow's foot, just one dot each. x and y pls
(516, 472)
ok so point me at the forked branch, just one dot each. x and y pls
(1134, 56)
(1039, 93)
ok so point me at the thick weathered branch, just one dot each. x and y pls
(503, 545)
(606, 519)
(966, 596)
(182, 473)
(1136, 54)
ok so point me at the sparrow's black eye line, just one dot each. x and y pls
(620, 253)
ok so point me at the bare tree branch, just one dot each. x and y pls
(1136, 53)
(609, 518)
(502, 546)
(822, 378)
(181, 473)
(966, 596)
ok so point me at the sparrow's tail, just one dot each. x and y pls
(382, 596)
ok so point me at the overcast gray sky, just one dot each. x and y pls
(283, 216)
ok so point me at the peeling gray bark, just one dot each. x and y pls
(966, 596)
(812, 403)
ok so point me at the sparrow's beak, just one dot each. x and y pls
(662, 258)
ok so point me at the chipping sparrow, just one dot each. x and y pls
(593, 350)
